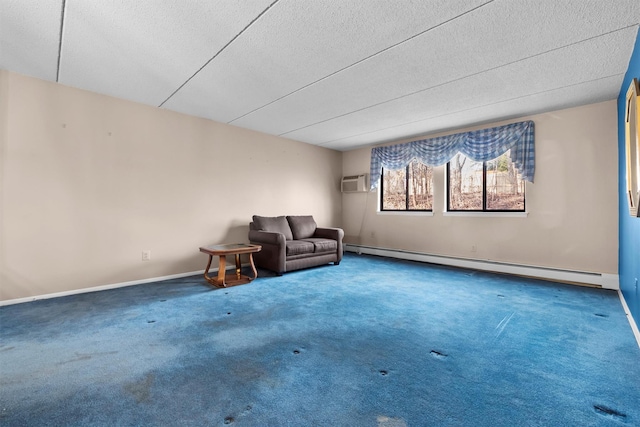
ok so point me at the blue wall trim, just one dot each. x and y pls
(629, 228)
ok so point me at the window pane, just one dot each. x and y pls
(420, 186)
(505, 187)
(465, 184)
(394, 190)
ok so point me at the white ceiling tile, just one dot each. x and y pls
(492, 36)
(517, 80)
(337, 73)
(565, 97)
(143, 50)
(298, 43)
(29, 34)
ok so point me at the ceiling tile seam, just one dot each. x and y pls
(456, 79)
(475, 108)
(60, 36)
(220, 51)
(361, 60)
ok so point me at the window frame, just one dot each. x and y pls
(381, 208)
(484, 194)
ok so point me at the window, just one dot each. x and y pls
(492, 186)
(408, 189)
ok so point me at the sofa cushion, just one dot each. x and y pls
(323, 245)
(299, 247)
(274, 224)
(302, 226)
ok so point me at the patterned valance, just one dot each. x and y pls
(480, 146)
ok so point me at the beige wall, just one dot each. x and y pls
(88, 182)
(572, 222)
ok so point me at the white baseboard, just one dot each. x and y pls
(100, 288)
(603, 280)
(632, 322)
(212, 272)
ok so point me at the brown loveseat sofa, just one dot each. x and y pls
(294, 242)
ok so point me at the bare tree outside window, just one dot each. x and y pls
(408, 189)
(394, 189)
(465, 184)
(505, 187)
(495, 185)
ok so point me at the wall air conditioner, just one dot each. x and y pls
(354, 184)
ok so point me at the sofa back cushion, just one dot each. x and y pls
(275, 224)
(302, 226)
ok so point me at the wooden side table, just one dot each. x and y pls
(226, 280)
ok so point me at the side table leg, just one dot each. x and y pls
(222, 270)
(253, 267)
(238, 267)
(206, 271)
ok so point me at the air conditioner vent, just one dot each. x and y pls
(354, 184)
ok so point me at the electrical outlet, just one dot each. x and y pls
(146, 255)
(474, 248)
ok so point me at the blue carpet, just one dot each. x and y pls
(371, 342)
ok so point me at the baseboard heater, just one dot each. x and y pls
(601, 280)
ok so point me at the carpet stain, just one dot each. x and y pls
(609, 412)
(384, 421)
(84, 356)
(438, 355)
(77, 359)
(141, 390)
(384, 373)
(247, 371)
(231, 419)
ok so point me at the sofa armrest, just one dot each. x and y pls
(330, 233)
(273, 255)
(267, 237)
(336, 234)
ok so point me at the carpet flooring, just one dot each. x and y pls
(371, 342)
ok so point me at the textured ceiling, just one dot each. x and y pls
(337, 73)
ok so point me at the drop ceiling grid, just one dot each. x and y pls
(406, 69)
(360, 30)
(144, 50)
(367, 128)
(517, 107)
(299, 43)
(330, 72)
(496, 85)
(29, 35)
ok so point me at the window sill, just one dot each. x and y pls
(488, 214)
(406, 213)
